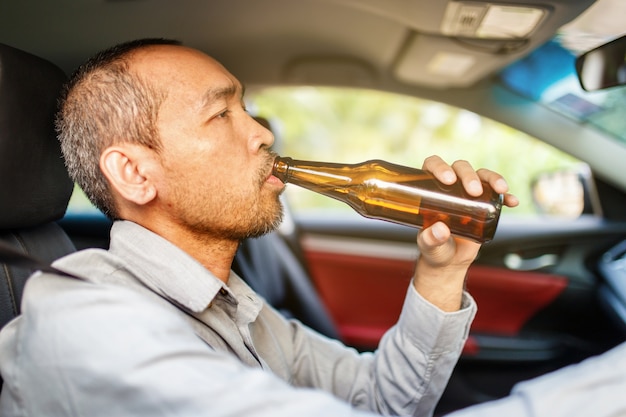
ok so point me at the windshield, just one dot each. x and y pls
(548, 75)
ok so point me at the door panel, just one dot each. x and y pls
(365, 293)
(508, 299)
(364, 288)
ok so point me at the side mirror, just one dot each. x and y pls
(566, 193)
(604, 66)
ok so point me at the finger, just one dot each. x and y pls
(495, 180)
(436, 245)
(469, 177)
(440, 169)
(436, 234)
(499, 185)
(510, 200)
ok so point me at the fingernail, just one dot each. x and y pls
(438, 231)
(501, 184)
(475, 186)
(448, 177)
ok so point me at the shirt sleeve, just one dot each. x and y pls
(81, 349)
(408, 372)
(595, 387)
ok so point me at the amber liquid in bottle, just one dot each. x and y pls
(382, 190)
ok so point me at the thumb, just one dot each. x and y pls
(436, 245)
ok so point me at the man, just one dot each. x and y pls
(158, 137)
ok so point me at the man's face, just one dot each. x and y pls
(215, 160)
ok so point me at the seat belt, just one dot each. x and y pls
(12, 256)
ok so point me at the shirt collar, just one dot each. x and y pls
(163, 267)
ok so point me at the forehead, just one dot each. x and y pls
(185, 72)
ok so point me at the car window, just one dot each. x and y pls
(354, 125)
(79, 203)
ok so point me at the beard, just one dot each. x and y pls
(232, 215)
(236, 221)
(261, 225)
(226, 212)
(266, 216)
(263, 216)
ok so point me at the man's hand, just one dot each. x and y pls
(444, 259)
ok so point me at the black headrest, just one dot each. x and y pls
(34, 184)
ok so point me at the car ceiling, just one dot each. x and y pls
(377, 44)
(360, 42)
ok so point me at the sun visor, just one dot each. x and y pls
(440, 62)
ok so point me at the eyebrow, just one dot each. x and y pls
(215, 94)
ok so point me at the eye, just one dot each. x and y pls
(223, 114)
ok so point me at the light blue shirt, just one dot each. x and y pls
(594, 388)
(151, 332)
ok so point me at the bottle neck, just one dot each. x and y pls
(281, 168)
(301, 173)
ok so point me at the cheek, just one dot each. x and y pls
(219, 178)
(215, 163)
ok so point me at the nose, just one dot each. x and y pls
(264, 137)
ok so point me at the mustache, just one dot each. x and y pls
(265, 170)
(270, 155)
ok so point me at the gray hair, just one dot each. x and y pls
(103, 104)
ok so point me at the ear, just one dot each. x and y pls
(127, 168)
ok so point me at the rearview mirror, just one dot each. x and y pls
(604, 66)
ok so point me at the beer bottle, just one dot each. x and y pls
(382, 190)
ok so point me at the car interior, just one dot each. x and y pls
(545, 288)
(35, 185)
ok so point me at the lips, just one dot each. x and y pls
(273, 180)
(270, 178)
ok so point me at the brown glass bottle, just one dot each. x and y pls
(409, 196)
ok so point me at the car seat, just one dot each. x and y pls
(272, 268)
(34, 184)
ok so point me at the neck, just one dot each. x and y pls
(216, 254)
